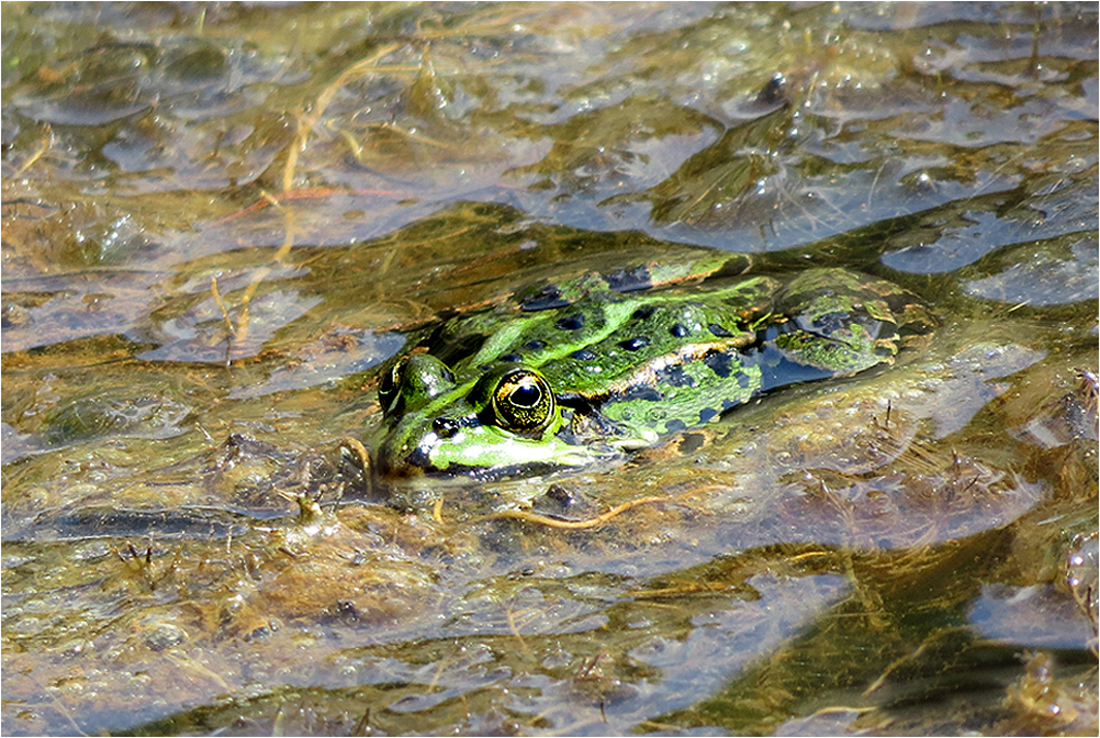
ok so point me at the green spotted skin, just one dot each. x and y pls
(588, 369)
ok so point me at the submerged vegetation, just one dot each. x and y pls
(221, 222)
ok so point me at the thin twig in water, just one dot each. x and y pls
(221, 305)
(38, 153)
(599, 520)
(307, 121)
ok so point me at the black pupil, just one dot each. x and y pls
(526, 396)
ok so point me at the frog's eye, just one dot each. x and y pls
(523, 402)
(411, 383)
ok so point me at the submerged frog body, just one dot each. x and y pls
(593, 368)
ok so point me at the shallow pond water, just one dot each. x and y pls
(220, 221)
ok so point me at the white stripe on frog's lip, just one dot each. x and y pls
(487, 448)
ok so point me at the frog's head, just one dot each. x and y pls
(506, 420)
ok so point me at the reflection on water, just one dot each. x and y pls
(220, 219)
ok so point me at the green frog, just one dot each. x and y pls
(573, 372)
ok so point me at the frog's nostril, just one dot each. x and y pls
(445, 427)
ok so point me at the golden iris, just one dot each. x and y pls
(523, 402)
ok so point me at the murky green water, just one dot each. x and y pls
(218, 220)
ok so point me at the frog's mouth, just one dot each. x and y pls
(478, 473)
(486, 452)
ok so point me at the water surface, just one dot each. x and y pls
(219, 220)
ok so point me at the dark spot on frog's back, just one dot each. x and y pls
(584, 355)
(452, 353)
(827, 324)
(679, 330)
(675, 376)
(547, 298)
(622, 280)
(719, 362)
(572, 322)
(719, 331)
(641, 392)
(634, 344)
(511, 358)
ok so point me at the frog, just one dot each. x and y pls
(570, 373)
